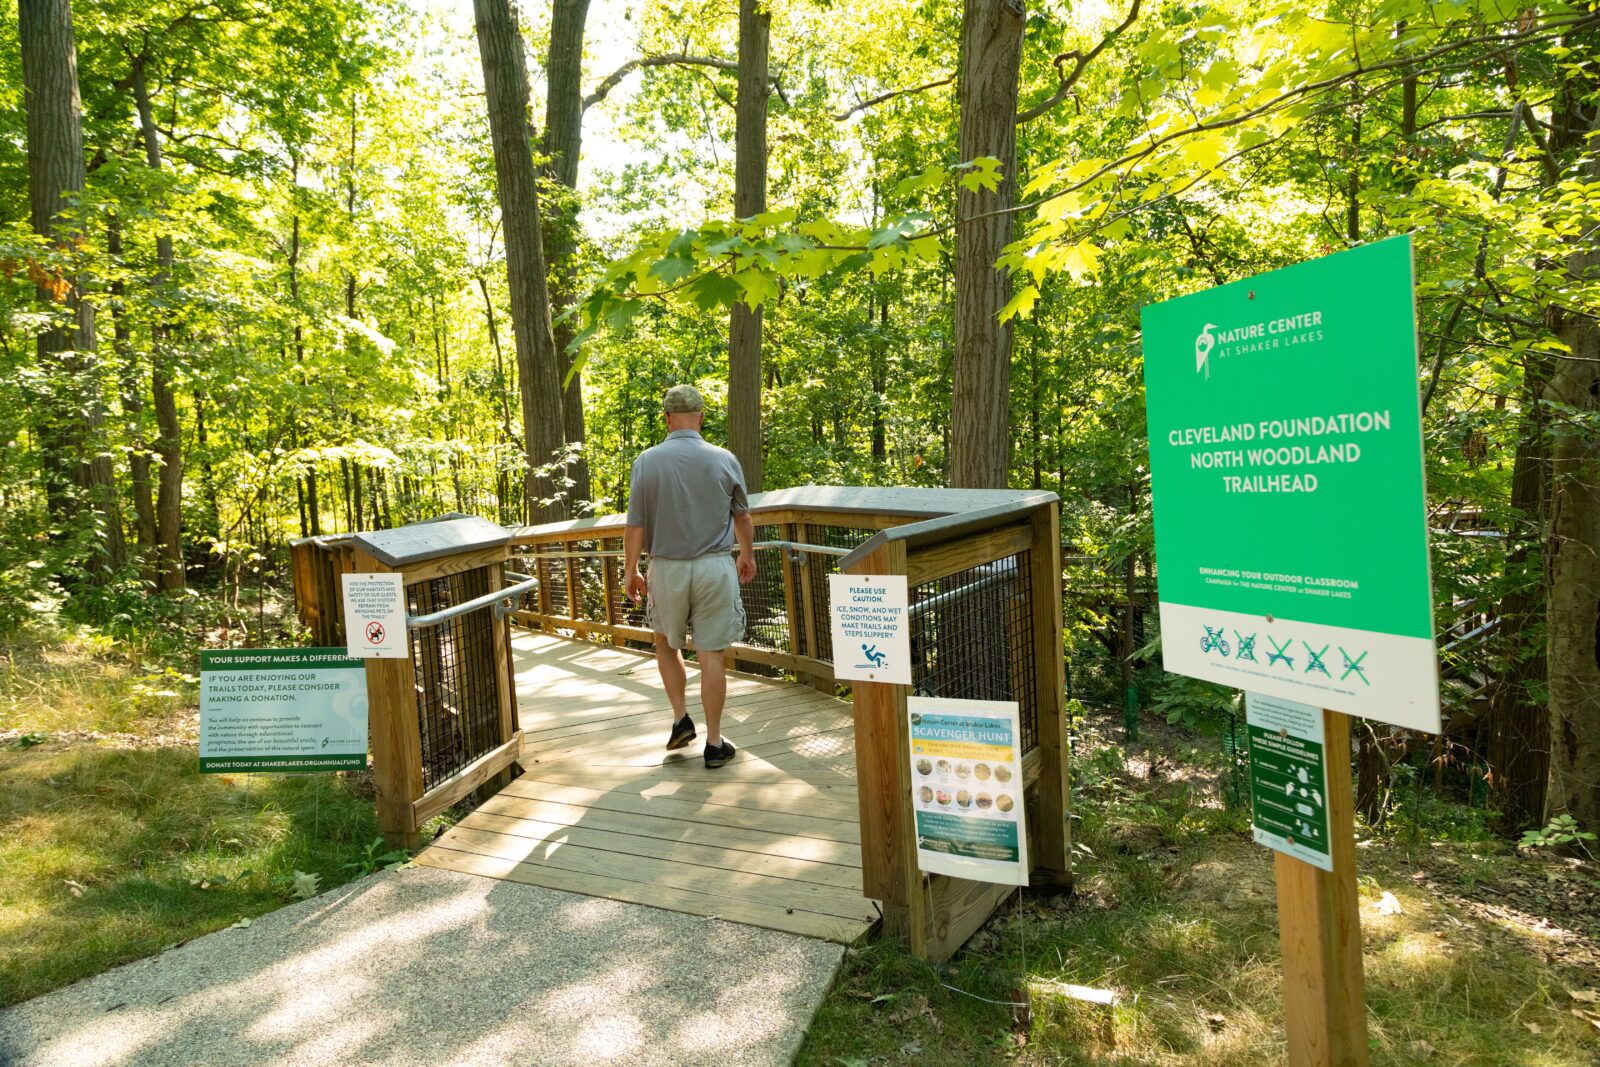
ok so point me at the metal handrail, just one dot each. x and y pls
(494, 599)
(599, 553)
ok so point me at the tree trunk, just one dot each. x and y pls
(505, 80)
(132, 373)
(1572, 554)
(1519, 720)
(170, 575)
(1573, 558)
(749, 198)
(991, 51)
(72, 428)
(880, 383)
(563, 142)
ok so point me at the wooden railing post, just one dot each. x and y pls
(396, 744)
(1054, 835)
(883, 785)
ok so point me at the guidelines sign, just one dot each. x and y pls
(1286, 479)
(289, 710)
(966, 785)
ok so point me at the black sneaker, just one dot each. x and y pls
(717, 755)
(682, 733)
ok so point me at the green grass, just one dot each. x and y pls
(108, 855)
(112, 845)
(1175, 913)
(55, 677)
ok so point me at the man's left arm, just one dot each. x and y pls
(744, 527)
(744, 531)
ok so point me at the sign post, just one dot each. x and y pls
(1292, 552)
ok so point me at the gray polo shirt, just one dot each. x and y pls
(685, 492)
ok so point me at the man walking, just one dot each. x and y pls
(686, 504)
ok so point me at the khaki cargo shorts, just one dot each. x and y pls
(698, 596)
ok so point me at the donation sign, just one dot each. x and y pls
(966, 789)
(292, 710)
(1286, 483)
(375, 616)
(871, 634)
(1288, 778)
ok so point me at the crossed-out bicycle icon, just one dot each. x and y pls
(1214, 640)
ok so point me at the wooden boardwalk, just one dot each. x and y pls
(771, 840)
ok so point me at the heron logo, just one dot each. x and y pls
(1202, 349)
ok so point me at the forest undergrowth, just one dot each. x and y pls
(112, 846)
(1167, 951)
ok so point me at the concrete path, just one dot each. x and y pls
(428, 967)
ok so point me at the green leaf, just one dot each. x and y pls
(1020, 304)
(713, 291)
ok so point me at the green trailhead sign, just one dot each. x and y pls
(1286, 480)
(291, 710)
(1288, 778)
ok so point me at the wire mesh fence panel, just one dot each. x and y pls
(819, 631)
(589, 572)
(972, 638)
(553, 577)
(766, 609)
(458, 711)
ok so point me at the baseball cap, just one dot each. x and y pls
(682, 398)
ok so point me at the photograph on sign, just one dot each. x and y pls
(1288, 778)
(375, 616)
(966, 789)
(286, 710)
(1286, 485)
(871, 629)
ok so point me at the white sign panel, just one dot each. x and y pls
(375, 616)
(871, 628)
(286, 710)
(966, 789)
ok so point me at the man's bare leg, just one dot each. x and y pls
(713, 692)
(669, 661)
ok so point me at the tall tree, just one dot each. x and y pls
(749, 199)
(505, 82)
(991, 53)
(563, 142)
(72, 424)
(1573, 394)
(169, 437)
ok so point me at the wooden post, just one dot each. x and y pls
(574, 582)
(1319, 925)
(396, 745)
(608, 568)
(888, 831)
(1051, 862)
(797, 645)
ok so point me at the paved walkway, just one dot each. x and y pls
(429, 967)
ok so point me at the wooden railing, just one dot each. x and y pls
(984, 574)
(442, 720)
(983, 569)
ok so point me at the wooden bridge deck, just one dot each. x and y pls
(772, 839)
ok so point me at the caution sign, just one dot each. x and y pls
(871, 631)
(375, 616)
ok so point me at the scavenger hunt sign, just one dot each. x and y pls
(291, 710)
(966, 786)
(1286, 480)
